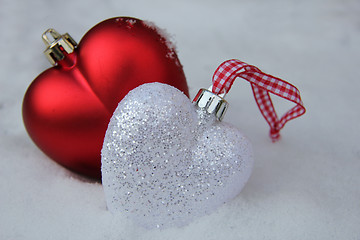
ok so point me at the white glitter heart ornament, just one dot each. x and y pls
(166, 161)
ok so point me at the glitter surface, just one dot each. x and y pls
(165, 162)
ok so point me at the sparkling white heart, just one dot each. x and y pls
(165, 161)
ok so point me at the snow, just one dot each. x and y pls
(304, 187)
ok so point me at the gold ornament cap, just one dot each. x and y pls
(211, 102)
(57, 45)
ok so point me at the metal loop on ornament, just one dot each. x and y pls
(53, 33)
(56, 47)
(211, 102)
(222, 95)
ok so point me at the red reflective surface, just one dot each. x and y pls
(66, 109)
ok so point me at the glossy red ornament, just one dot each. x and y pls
(67, 108)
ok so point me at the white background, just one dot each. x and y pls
(307, 186)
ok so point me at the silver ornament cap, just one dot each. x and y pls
(211, 102)
(57, 45)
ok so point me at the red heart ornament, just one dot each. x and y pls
(67, 108)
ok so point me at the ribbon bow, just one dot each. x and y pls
(262, 84)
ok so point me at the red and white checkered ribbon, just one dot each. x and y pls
(261, 84)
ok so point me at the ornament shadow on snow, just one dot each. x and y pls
(67, 108)
(166, 160)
